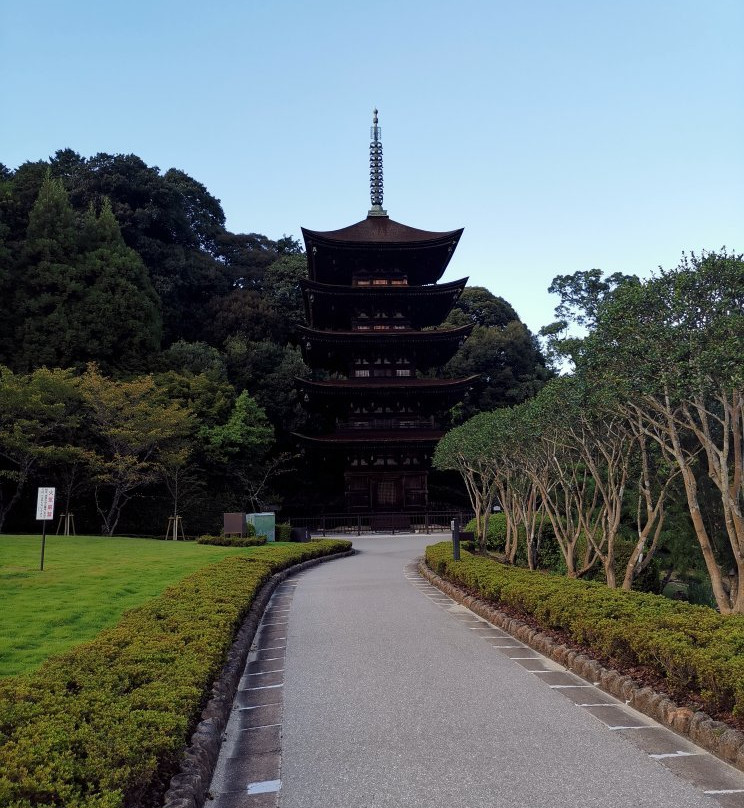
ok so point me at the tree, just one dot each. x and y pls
(673, 347)
(136, 428)
(581, 296)
(36, 410)
(509, 364)
(83, 295)
(46, 282)
(115, 318)
(268, 371)
(471, 450)
(282, 285)
(478, 305)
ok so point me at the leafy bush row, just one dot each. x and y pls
(693, 647)
(232, 540)
(104, 725)
(283, 531)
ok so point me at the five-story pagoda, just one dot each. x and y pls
(374, 311)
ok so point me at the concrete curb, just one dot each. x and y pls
(714, 736)
(188, 788)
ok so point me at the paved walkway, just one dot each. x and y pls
(368, 687)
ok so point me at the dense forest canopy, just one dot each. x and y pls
(120, 283)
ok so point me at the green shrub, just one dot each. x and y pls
(104, 725)
(693, 647)
(283, 531)
(233, 540)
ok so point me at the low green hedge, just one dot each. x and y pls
(232, 540)
(693, 647)
(104, 725)
(283, 531)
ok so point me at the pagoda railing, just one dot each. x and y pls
(356, 524)
(386, 424)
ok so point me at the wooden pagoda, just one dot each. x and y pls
(374, 311)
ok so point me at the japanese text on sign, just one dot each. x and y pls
(45, 504)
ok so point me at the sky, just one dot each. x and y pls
(562, 135)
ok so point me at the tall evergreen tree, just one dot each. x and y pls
(116, 318)
(45, 279)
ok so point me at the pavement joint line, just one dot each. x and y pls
(542, 671)
(264, 787)
(601, 704)
(679, 753)
(564, 687)
(726, 791)
(263, 726)
(266, 673)
(507, 646)
(264, 687)
(275, 623)
(525, 657)
(269, 659)
(273, 648)
(633, 726)
(257, 706)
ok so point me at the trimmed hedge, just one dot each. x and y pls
(283, 531)
(232, 540)
(693, 647)
(104, 725)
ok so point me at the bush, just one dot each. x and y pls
(104, 725)
(693, 647)
(233, 540)
(283, 531)
(549, 556)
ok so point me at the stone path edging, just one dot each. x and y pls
(713, 736)
(188, 788)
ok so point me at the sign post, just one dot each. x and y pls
(455, 524)
(44, 512)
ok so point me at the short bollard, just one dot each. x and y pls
(455, 525)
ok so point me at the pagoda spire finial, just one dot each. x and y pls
(375, 168)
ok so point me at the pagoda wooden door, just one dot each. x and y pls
(387, 494)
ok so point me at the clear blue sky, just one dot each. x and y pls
(561, 135)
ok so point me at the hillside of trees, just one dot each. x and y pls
(147, 353)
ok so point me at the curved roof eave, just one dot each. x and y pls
(380, 232)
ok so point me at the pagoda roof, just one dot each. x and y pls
(390, 439)
(333, 304)
(380, 229)
(393, 386)
(379, 245)
(373, 339)
(334, 349)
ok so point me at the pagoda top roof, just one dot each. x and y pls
(381, 230)
(379, 246)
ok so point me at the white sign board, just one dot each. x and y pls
(45, 504)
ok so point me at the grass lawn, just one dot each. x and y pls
(86, 584)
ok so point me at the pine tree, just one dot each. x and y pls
(45, 276)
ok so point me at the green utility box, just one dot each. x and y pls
(264, 524)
